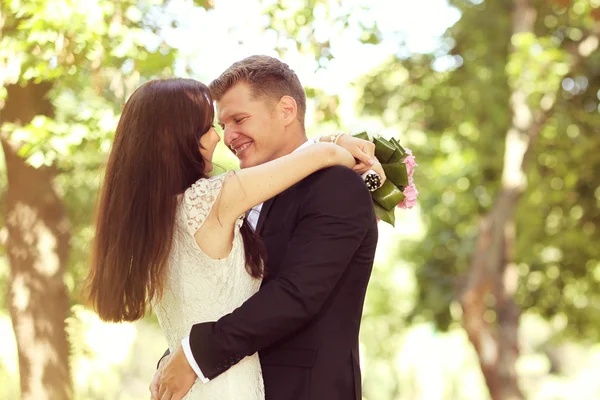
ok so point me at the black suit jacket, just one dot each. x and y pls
(320, 236)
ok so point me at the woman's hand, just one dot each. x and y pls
(364, 152)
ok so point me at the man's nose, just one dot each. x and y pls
(229, 135)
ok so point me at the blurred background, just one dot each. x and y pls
(488, 289)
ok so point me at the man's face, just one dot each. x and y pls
(252, 128)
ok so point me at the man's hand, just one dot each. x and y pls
(364, 152)
(176, 377)
(156, 379)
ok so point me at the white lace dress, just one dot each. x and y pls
(200, 289)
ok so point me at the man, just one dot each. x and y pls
(320, 236)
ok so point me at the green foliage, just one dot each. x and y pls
(311, 26)
(93, 54)
(455, 119)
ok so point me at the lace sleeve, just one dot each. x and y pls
(199, 200)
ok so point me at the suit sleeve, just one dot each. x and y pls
(334, 219)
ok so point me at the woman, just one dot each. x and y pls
(169, 235)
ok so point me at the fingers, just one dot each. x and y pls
(164, 393)
(167, 395)
(154, 386)
(377, 167)
(361, 168)
(369, 148)
(366, 153)
(364, 158)
(154, 391)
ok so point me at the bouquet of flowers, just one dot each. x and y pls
(399, 189)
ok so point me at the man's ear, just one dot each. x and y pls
(288, 109)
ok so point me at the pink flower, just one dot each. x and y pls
(410, 191)
(411, 194)
(410, 165)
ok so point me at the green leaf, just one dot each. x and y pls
(385, 215)
(383, 150)
(388, 196)
(362, 135)
(396, 173)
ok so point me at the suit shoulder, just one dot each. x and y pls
(339, 181)
(338, 175)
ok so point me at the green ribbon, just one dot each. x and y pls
(391, 156)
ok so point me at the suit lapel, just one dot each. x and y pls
(263, 214)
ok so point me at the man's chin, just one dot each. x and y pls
(248, 162)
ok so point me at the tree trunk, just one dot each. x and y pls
(490, 316)
(37, 245)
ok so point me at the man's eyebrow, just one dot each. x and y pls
(232, 116)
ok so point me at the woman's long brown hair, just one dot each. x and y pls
(155, 156)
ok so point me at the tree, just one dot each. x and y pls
(503, 123)
(70, 67)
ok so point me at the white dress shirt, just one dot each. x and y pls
(252, 216)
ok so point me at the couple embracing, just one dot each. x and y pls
(257, 276)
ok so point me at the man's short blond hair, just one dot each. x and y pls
(268, 78)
